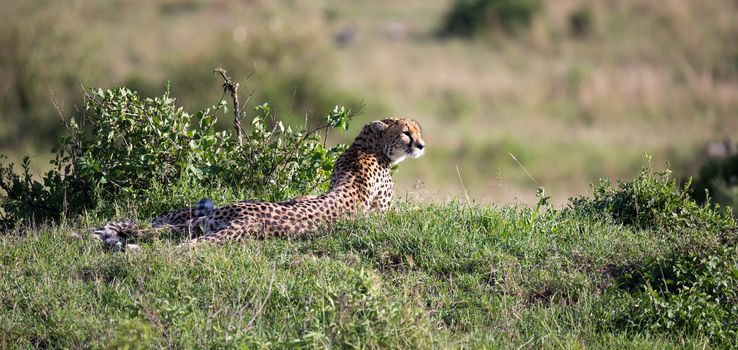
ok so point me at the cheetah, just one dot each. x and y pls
(360, 183)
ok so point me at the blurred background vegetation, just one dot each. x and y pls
(575, 89)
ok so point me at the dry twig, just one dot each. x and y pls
(232, 87)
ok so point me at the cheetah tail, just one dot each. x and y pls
(116, 235)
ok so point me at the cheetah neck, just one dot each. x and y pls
(362, 161)
(357, 171)
(369, 141)
(354, 175)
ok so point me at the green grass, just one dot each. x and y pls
(451, 275)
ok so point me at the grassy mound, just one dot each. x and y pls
(422, 276)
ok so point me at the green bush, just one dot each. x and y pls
(653, 200)
(717, 181)
(121, 145)
(472, 17)
(581, 22)
(692, 289)
(693, 293)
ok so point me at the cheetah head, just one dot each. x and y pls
(399, 138)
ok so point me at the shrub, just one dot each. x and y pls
(693, 294)
(653, 200)
(472, 17)
(717, 180)
(121, 145)
(693, 288)
(581, 22)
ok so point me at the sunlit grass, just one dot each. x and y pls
(421, 276)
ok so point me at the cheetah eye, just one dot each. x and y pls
(407, 133)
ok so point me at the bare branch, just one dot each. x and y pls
(230, 86)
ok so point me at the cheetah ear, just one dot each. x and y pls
(378, 125)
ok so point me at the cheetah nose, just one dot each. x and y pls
(420, 146)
